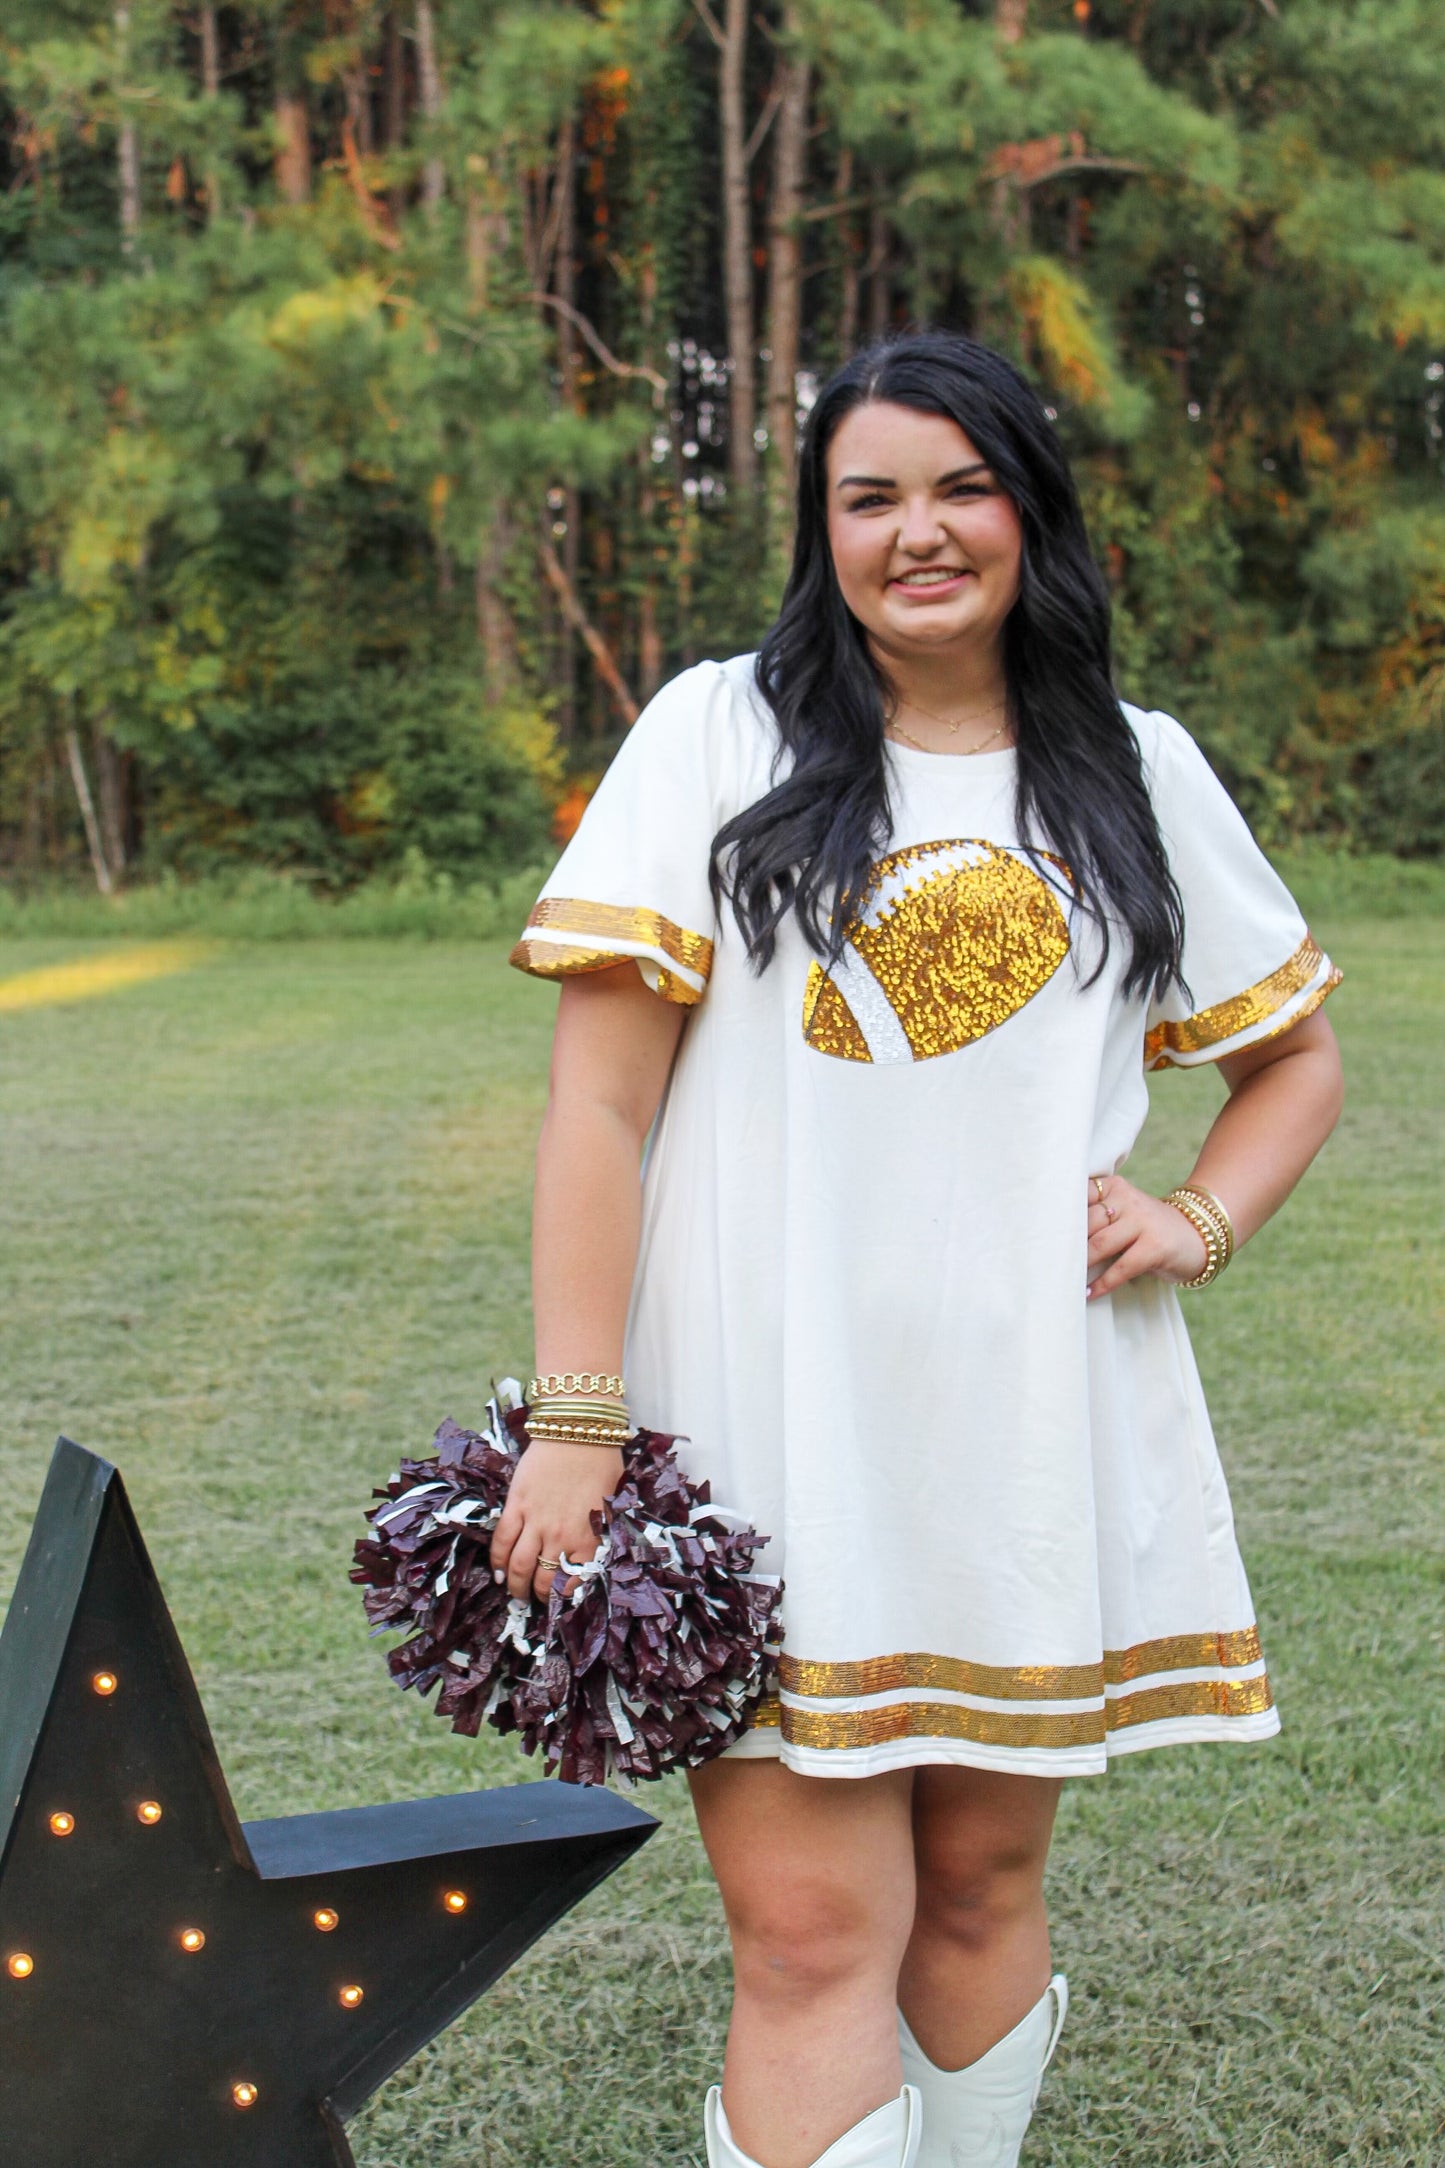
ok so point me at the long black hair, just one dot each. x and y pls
(808, 845)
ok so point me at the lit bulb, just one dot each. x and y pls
(149, 1812)
(244, 2093)
(105, 1682)
(350, 1998)
(455, 1900)
(20, 1966)
(192, 1939)
(325, 1919)
(61, 1825)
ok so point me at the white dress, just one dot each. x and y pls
(1000, 1516)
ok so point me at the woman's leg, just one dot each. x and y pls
(978, 1957)
(816, 1877)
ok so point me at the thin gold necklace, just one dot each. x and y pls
(966, 752)
(954, 727)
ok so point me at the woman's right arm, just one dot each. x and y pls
(611, 1054)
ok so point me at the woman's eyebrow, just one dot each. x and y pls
(887, 481)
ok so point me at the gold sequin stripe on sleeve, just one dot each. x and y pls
(1170, 1043)
(567, 935)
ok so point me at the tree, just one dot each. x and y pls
(380, 383)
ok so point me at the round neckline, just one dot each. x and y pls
(980, 763)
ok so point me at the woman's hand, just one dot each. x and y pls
(554, 1493)
(1132, 1233)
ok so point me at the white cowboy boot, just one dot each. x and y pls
(888, 2138)
(976, 2117)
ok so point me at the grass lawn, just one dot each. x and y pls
(264, 1222)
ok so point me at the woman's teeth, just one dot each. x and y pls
(929, 579)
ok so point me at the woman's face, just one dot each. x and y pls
(925, 544)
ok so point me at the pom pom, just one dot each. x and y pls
(647, 1657)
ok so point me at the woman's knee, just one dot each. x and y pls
(980, 1854)
(816, 1937)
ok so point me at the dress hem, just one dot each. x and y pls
(922, 1752)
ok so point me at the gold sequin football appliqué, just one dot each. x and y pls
(952, 940)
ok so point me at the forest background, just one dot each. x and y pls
(392, 396)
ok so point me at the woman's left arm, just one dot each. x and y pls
(1284, 1099)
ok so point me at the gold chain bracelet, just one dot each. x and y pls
(575, 1381)
(1212, 1223)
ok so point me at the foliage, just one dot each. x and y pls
(367, 383)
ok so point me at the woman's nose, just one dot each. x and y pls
(919, 526)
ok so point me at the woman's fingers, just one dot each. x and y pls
(522, 1565)
(1132, 1233)
(1131, 1264)
(555, 1491)
(504, 1537)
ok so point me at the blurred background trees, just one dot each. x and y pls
(391, 396)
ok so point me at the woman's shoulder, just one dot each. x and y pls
(710, 716)
(718, 691)
(1166, 749)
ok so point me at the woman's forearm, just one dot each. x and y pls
(614, 1045)
(586, 1219)
(1281, 1107)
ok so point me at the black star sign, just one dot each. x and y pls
(178, 1988)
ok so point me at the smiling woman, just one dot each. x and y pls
(883, 1273)
(927, 558)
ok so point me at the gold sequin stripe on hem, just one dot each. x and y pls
(840, 1729)
(1213, 1027)
(1018, 1682)
(568, 950)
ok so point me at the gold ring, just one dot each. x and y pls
(1109, 1213)
(1098, 1190)
(553, 1564)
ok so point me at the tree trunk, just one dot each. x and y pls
(293, 157)
(110, 779)
(429, 84)
(211, 84)
(1010, 17)
(127, 148)
(566, 288)
(649, 633)
(394, 102)
(848, 242)
(880, 283)
(785, 265)
(597, 648)
(86, 803)
(738, 255)
(495, 630)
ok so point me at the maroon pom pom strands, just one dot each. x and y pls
(647, 1657)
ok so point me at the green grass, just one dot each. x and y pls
(421, 904)
(265, 1223)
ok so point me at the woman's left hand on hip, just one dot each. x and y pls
(1132, 1233)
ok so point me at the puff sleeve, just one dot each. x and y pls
(633, 881)
(1251, 966)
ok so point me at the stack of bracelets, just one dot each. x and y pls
(578, 1407)
(1207, 1216)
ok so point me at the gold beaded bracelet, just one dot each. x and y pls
(550, 1433)
(575, 1381)
(1212, 1223)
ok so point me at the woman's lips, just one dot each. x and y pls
(928, 589)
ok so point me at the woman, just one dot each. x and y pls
(921, 900)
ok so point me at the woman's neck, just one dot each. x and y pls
(949, 681)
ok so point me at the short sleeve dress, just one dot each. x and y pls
(999, 1512)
